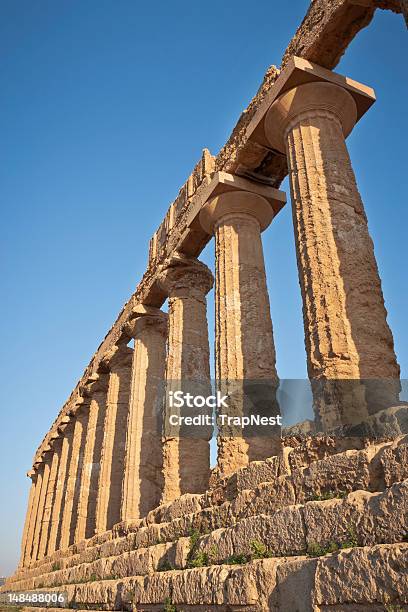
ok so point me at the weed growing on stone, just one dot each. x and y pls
(316, 550)
(352, 541)
(165, 566)
(260, 551)
(328, 495)
(213, 554)
(168, 606)
(200, 559)
(237, 560)
(194, 537)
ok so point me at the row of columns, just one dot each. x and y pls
(113, 462)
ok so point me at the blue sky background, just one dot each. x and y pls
(104, 111)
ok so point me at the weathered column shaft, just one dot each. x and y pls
(29, 518)
(61, 484)
(186, 460)
(33, 519)
(86, 519)
(113, 448)
(346, 332)
(40, 509)
(143, 479)
(245, 349)
(49, 499)
(73, 479)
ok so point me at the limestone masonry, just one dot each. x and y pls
(125, 513)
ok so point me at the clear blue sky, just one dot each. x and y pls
(105, 109)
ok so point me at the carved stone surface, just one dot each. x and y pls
(49, 499)
(73, 479)
(57, 511)
(244, 337)
(186, 460)
(37, 480)
(40, 509)
(118, 362)
(143, 479)
(346, 332)
(88, 485)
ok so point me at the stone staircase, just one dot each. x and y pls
(319, 529)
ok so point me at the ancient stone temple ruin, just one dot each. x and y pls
(125, 515)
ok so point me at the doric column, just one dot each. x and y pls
(245, 351)
(29, 518)
(118, 363)
(40, 508)
(142, 484)
(88, 488)
(186, 459)
(33, 518)
(73, 475)
(49, 498)
(66, 428)
(346, 331)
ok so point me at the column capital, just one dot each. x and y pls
(119, 355)
(236, 203)
(94, 383)
(308, 99)
(143, 317)
(183, 276)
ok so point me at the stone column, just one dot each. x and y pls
(73, 477)
(40, 508)
(245, 351)
(58, 507)
(29, 518)
(346, 331)
(49, 498)
(118, 363)
(86, 520)
(142, 484)
(28, 557)
(186, 460)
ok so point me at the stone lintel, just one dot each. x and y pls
(298, 72)
(223, 182)
(141, 310)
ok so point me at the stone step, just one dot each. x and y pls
(314, 528)
(369, 579)
(373, 468)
